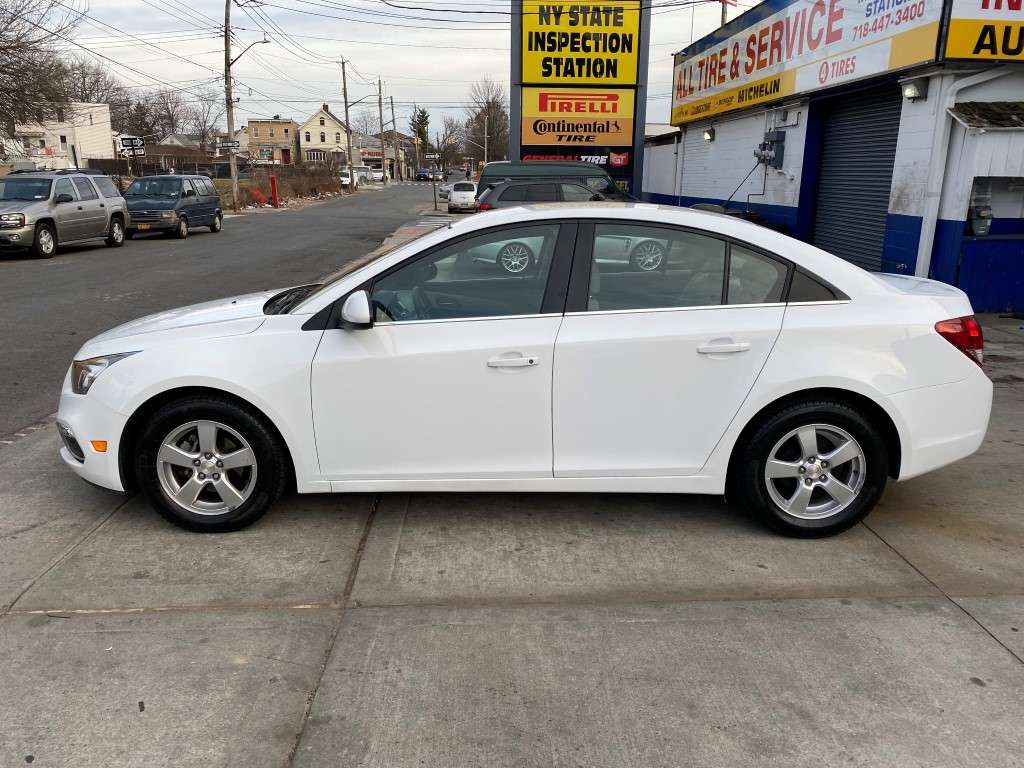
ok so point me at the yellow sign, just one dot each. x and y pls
(575, 117)
(576, 44)
(992, 30)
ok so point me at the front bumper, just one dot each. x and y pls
(21, 237)
(81, 420)
(161, 225)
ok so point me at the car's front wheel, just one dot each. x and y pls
(115, 236)
(181, 231)
(812, 469)
(45, 243)
(209, 464)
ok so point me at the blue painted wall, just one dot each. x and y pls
(779, 215)
(899, 249)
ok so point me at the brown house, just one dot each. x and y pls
(273, 141)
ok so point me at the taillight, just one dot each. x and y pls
(483, 206)
(965, 334)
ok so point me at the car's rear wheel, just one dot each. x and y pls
(218, 223)
(210, 464)
(181, 231)
(44, 245)
(812, 469)
(515, 258)
(115, 236)
(647, 256)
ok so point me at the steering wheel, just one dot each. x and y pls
(395, 310)
(420, 303)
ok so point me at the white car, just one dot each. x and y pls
(462, 197)
(346, 178)
(380, 175)
(752, 362)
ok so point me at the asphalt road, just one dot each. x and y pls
(48, 308)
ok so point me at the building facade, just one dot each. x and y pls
(273, 141)
(323, 139)
(895, 141)
(84, 133)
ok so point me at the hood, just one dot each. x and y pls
(209, 313)
(151, 203)
(15, 206)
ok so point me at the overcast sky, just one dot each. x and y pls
(423, 54)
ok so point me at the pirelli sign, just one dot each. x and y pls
(578, 118)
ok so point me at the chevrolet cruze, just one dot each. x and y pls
(746, 361)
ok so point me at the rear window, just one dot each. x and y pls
(464, 186)
(106, 186)
(514, 194)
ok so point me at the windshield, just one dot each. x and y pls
(358, 264)
(154, 187)
(21, 188)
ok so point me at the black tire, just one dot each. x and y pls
(116, 234)
(648, 256)
(818, 490)
(44, 244)
(181, 231)
(236, 427)
(218, 223)
(515, 258)
(129, 234)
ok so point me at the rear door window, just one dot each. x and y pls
(85, 189)
(515, 194)
(542, 193)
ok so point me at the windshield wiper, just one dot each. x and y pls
(283, 302)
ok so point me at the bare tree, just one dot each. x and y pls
(366, 122)
(33, 87)
(90, 82)
(449, 144)
(487, 113)
(202, 116)
(169, 111)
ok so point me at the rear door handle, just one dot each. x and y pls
(724, 349)
(511, 362)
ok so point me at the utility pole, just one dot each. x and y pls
(232, 160)
(723, 12)
(394, 142)
(348, 128)
(380, 114)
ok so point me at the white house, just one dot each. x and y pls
(80, 134)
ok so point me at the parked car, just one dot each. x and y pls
(363, 173)
(797, 380)
(588, 174)
(462, 197)
(346, 179)
(173, 205)
(42, 210)
(507, 194)
(423, 174)
(443, 190)
(380, 175)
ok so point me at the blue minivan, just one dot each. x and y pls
(172, 205)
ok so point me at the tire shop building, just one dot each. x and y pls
(889, 132)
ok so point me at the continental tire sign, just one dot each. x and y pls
(986, 30)
(578, 118)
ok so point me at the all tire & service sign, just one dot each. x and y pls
(783, 47)
(575, 82)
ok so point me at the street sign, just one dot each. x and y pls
(432, 157)
(130, 142)
(230, 144)
(133, 152)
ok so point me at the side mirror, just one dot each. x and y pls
(64, 197)
(355, 312)
(190, 193)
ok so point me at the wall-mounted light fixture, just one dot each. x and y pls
(709, 134)
(915, 89)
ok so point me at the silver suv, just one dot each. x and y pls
(43, 209)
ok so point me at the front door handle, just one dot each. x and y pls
(724, 349)
(511, 362)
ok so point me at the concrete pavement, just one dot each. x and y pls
(517, 629)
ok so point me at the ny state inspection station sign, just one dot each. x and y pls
(784, 47)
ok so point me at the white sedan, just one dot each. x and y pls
(749, 361)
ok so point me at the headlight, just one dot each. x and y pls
(169, 215)
(12, 220)
(84, 372)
